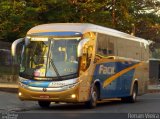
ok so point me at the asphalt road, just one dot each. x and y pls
(147, 105)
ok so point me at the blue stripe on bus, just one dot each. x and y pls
(119, 87)
(42, 84)
(56, 34)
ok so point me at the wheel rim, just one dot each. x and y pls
(134, 95)
(94, 98)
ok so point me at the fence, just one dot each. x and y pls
(8, 70)
(154, 74)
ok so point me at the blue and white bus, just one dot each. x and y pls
(81, 63)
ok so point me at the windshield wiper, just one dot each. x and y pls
(52, 63)
(55, 68)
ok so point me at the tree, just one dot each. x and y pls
(130, 16)
(15, 19)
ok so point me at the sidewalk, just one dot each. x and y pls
(13, 88)
(154, 88)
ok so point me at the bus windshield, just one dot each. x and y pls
(49, 59)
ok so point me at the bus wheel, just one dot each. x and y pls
(93, 100)
(133, 97)
(44, 104)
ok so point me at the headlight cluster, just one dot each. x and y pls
(23, 85)
(22, 79)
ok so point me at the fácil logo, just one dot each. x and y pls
(106, 70)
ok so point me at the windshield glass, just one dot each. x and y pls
(50, 58)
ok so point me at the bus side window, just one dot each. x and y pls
(144, 53)
(102, 43)
(111, 44)
(105, 45)
(104, 51)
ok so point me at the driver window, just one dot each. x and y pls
(87, 53)
(86, 57)
(40, 53)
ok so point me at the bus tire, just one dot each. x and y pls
(92, 103)
(133, 97)
(44, 104)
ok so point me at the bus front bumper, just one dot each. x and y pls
(69, 95)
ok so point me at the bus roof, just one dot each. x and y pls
(83, 28)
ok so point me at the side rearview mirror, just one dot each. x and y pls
(80, 47)
(27, 41)
(14, 46)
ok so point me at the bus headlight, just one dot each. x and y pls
(23, 85)
(19, 94)
(73, 96)
(21, 79)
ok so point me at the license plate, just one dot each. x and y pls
(44, 96)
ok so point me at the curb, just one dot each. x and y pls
(10, 89)
(153, 91)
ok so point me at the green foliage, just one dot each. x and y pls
(139, 16)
